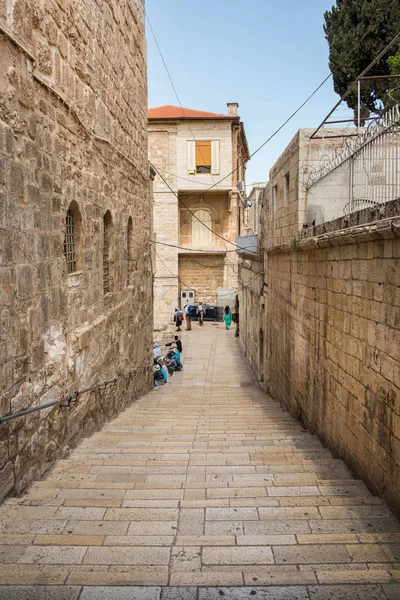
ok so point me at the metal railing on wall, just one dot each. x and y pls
(364, 172)
(66, 401)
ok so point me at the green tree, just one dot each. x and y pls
(357, 30)
(394, 66)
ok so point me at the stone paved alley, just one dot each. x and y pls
(206, 484)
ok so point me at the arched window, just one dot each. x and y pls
(201, 236)
(129, 252)
(107, 252)
(73, 238)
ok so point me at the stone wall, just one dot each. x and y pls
(333, 344)
(75, 73)
(203, 274)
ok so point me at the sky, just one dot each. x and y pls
(268, 55)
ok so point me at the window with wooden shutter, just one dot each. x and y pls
(215, 157)
(203, 157)
(191, 157)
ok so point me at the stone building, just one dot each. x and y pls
(253, 207)
(319, 314)
(75, 223)
(199, 205)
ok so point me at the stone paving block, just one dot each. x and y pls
(39, 592)
(272, 577)
(354, 576)
(254, 555)
(151, 528)
(328, 553)
(180, 593)
(355, 512)
(246, 593)
(231, 514)
(69, 540)
(149, 504)
(253, 502)
(341, 592)
(185, 558)
(354, 526)
(76, 514)
(223, 527)
(205, 540)
(138, 540)
(374, 552)
(122, 593)
(236, 493)
(305, 490)
(266, 540)
(96, 527)
(155, 494)
(141, 514)
(22, 539)
(132, 576)
(283, 513)
(392, 591)
(279, 527)
(214, 579)
(304, 501)
(328, 538)
(11, 554)
(213, 503)
(85, 494)
(191, 521)
(23, 574)
(53, 555)
(127, 555)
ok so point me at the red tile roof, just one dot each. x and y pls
(176, 112)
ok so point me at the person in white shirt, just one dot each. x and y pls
(188, 318)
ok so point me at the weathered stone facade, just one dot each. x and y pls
(319, 321)
(73, 137)
(195, 259)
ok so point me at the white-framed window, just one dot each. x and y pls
(203, 157)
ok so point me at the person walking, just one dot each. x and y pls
(179, 320)
(188, 318)
(200, 312)
(227, 317)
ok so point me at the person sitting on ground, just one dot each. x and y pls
(161, 362)
(171, 365)
(176, 356)
(156, 350)
(158, 376)
(176, 341)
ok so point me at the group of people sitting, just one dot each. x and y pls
(165, 366)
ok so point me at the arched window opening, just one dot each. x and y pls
(201, 235)
(73, 238)
(107, 253)
(129, 252)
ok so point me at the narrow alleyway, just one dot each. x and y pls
(206, 482)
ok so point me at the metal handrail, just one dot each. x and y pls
(73, 397)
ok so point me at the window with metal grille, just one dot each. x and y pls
(129, 252)
(106, 254)
(69, 242)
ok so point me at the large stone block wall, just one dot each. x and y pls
(60, 333)
(333, 345)
(203, 274)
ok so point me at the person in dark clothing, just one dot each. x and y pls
(177, 342)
